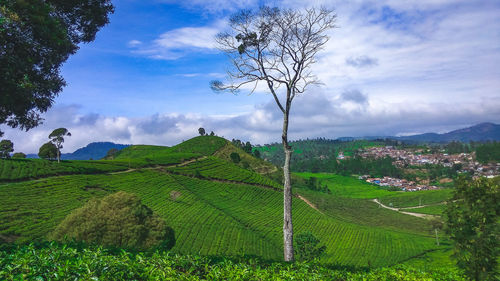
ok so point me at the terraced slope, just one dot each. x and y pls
(215, 168)
(153, 155)
(204, 145)
(208, 217)
(21, 169)
(217, 208)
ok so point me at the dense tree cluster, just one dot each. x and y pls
(488, 152)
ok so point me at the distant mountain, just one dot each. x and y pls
(95, 150)
(480, 132)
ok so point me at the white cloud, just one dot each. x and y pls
(316, 114)
(176, 43)
(134, 43)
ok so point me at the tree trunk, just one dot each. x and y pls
(58, 155)
(287, 194)
(437, 238)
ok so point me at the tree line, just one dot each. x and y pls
(49, 150)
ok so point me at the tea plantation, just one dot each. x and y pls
(216, 208)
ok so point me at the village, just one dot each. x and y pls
(462, 162)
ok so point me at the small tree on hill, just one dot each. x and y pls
(201, 131)
(472, 222)
(6, 147)
(119, 220)
(57, 138)
(47, 151)
(235, 157)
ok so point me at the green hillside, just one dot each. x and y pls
(21, 169)
(218, 208)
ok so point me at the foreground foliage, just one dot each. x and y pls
(71, 262)
(472, 222)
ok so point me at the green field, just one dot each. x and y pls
(417, 198)
(209, 218)
(347, 186)
(215, 168)
(430, 210)
(218, 208)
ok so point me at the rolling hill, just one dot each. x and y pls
(217, 207)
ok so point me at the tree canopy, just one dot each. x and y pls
(57, 138)
(36, 38)
(48, 151)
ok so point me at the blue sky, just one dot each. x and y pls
(391, 68)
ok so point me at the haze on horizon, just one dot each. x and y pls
(391, 68)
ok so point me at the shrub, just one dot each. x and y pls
(306, 246)
(235, 157)
(117, 220)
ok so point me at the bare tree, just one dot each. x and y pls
(276, 47)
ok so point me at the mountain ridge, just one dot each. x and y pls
(93, 150)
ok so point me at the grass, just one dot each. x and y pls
(417, 198)
(430, 210)
(215, 168)
(204, 145)
(144, 155)
(365, 212)
(21, 169)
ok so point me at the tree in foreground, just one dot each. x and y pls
(117, 220)
(57, 138)
(47, 151)
(6, 147)
(276, 47)
(36, 38)
(472, 223)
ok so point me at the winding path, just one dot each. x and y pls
(425, 216)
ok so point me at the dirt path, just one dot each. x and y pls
(425, 216)
(309, 203)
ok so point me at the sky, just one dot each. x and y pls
(391, 67)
